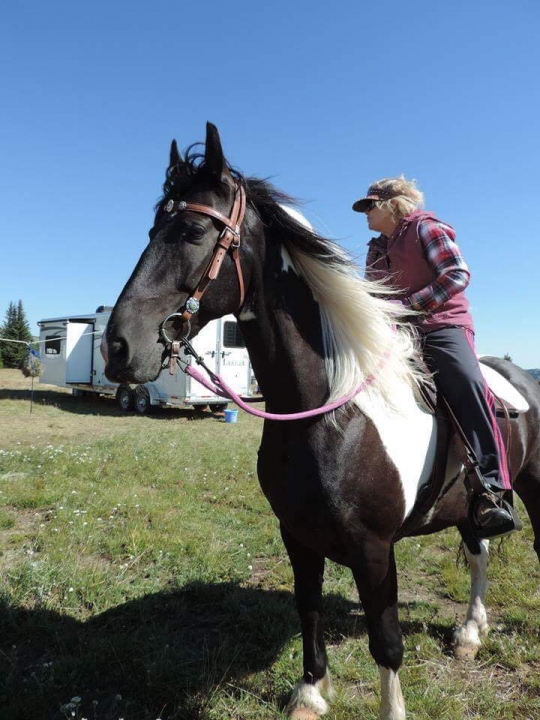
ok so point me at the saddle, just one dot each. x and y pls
(449, 431)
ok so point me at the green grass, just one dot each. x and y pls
(143, 572)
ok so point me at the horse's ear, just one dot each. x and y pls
(214, 158)
(175, 158)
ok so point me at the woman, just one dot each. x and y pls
(417, 254)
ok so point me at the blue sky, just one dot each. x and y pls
(323, 98)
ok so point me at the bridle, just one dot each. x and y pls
(228, 241)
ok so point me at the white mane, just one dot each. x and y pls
(364, 335)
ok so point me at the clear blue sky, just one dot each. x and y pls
(323, 98)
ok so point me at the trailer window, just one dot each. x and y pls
(232, 337)
(52, 346)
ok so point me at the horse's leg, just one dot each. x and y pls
(377, 586)
(527, 486)
(306, 701)
(467, 637)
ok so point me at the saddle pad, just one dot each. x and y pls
(503, 389)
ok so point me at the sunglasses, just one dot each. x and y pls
(371, 205)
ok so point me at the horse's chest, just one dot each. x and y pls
(297, 473)
(327, 487)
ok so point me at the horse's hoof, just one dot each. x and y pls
(304, 714)
(466, 653)
(466, 642)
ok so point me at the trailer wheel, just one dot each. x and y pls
(218, 407)
(142, 400)
(124, 398)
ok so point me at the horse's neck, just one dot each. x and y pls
(282, 329)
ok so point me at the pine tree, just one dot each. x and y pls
(15, 327)
(507, 357)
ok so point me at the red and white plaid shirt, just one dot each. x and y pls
(444, 256)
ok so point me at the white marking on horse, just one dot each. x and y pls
(409, 437)
(247, 315)
(467, 637)
(392, 702)
(308, 697)
(297, 215)
(286, 261)
(504, 389)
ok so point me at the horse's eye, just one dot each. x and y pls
(196, 231)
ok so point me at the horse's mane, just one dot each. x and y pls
(363, 334)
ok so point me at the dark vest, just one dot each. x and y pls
(401, 260)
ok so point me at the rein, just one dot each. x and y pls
(217, 385)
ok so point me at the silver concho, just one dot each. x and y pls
(182, 205)
(192, 305)
(169, 206)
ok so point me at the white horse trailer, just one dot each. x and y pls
(71, 357)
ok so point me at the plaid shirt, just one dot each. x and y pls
(445, 257)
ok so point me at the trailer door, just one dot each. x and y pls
(79, 350)
(233, 356)
(206, 345)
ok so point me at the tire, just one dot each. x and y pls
(142, 400)
(215, 407)
(124, 398)
(200, 408)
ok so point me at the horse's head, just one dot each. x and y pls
(175, 265)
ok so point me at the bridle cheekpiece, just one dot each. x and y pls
(228, 241)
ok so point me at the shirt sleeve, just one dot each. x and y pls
(445, 257)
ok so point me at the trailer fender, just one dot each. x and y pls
(153, 392)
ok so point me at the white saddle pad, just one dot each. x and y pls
(503, 389)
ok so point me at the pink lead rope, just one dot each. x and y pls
(220, 387)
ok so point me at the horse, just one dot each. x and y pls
(342, 484)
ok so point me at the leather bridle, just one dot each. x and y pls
(228, 241)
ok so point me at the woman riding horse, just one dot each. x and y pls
(341, 485)
(417, 254)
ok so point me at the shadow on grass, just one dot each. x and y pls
(345, 618)
(94, 404)
(160, 656)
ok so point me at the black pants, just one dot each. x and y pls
(449, 354)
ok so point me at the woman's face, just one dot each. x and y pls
(380, 220)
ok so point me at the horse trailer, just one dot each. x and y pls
(71, 357)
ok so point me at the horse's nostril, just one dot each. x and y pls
(118, 348)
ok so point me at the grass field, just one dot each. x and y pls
(143, 577)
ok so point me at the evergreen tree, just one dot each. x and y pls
(15, 328)
(507, 357)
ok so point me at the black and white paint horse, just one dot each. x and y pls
(341, 485)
